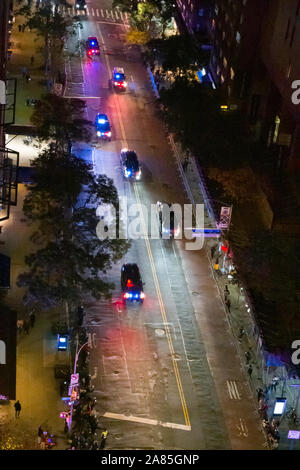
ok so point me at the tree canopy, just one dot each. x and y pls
(61, 119)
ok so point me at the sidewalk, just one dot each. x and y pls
(36, 386)
(24, 46)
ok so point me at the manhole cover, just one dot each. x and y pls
(159, 332)
(195, 293)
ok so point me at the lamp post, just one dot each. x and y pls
(75, 367)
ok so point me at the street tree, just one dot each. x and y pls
(61, 119)
(71, 259)
(176, 54)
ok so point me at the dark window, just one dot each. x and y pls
(298, 8)
(287, 29)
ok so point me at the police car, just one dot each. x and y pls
(131, 283)
(103, 127)
(130, 165)
(92, 46)
(118, 79)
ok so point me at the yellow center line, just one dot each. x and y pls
(158, 291)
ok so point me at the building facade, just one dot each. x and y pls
(9, 160)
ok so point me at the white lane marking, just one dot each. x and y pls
(152, 422)
(107, 13)
(116, 13)
(102, 14)
(242, 428)
(121, 14)
(115, 24)
(126, 16)
(233, 390)
(93, 13)
(97, 12)
(112, 14)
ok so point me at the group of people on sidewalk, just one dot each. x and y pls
(26, 324)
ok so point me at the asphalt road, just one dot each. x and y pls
(153, 383)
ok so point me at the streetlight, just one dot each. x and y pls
(75, 367)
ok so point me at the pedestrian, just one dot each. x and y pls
(228, 304)
(250, 370)
(103, 439)
(40, 435)
(247, 356)
(28, 77)
(18, 408)
(241, 333)
(31, 60)
(213, 250)
(24, 72)
(20, 28)
(185, 164)
(260, 394)
(226, 290)
(20, 324)
(32, 318)
(66, 428)
(23, 28)
(26, 326)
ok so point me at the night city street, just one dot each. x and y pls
(144, 326)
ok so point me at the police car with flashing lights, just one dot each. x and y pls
(80, 5)
(118, 79)
(167, 220)
(92, 46)
(131, 283)
(103, 127)
(130, 165)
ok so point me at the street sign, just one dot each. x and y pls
(206, 232)
(279, 406)
(294, 435)
(225, 218)
(74, 380)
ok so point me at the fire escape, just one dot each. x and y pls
(9, 159)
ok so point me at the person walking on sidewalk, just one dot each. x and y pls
(24, 72)
(26, 326)
(20, 28)
(32, 318)
(247, 356)
(228, 304)
(18, 408)
(250, 370)
(23, 28)
(185, 164)
(28, 77)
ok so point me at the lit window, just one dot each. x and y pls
(218, 70)
(276, 129)
(223, 35)
(222, 78)
(232, 73)
(225, 62)
(216, 10)
(238, 37)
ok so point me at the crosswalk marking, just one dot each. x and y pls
(233, 390)
(113, 15)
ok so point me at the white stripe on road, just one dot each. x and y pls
(107, 13)
(85, 97)
(233, 390)
(152, 422)
(116, 13)
(93, 13)
(102, 14)
(121, 14)
(97, 12)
